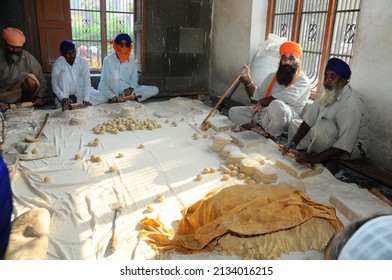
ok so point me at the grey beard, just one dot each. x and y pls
(328, 97)
(13, 58)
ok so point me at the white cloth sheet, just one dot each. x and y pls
(81, 191)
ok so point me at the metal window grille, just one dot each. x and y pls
(346, 22)
(95, 23)
(312, 29)
(283, 18)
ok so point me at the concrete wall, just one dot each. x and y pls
(238, 28)
(177, 55)
(371, 75)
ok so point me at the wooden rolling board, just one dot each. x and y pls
(296, 169)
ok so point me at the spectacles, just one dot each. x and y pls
(2, 129)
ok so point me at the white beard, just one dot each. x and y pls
(328, 97)
(13, 58)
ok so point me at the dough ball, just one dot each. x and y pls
(48, 179)
(112, 169)
(77, 157)
(149, 208)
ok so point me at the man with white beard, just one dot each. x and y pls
(337, 122)
(21, 76)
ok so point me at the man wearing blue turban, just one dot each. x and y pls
(70, 77)
(336, 124)
(119, 76)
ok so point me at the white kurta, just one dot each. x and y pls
(117, 76)
(288, 105)
(341, 125)
(71, 80)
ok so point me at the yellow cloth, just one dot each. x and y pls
(239, 209)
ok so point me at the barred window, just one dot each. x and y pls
(324, 28)
(95, 23)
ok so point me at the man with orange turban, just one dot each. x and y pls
(280, 98)
(119, 76)
(21, 77)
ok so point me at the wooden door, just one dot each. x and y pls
(54, 26)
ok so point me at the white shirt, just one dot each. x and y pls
(127, 74)
(294, 95)
(348, 113)
(79, 73)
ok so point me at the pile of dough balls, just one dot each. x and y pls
(233, 170)
(116, 125)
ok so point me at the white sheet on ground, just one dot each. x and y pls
(81, 191)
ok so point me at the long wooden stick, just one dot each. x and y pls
(29, 140)
(220, 100)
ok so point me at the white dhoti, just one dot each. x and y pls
(274, 119)
(118, 87)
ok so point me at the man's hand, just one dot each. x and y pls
(285, 148)
(65, 103)
(87, 103)
(115, 99)
(3, 107)
(128, 91)
(304, 157)
(265, 101)
(39, 101)
(245, 71)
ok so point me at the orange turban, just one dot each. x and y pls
(14, 37)
(290, 47)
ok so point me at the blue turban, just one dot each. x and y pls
(339, 67)
(123, 36)
(67, 46)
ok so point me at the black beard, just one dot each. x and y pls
(286, 73)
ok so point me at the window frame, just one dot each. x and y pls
(54, 25)
(296, 25)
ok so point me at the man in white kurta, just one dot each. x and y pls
(70, 76)
(280, 98)
(337, 122)
(119, 75)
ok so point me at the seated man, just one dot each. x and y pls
(281, 96)
(5, 199)
(70, 77)
(337, 121)
(119, 75)
(21, 77)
